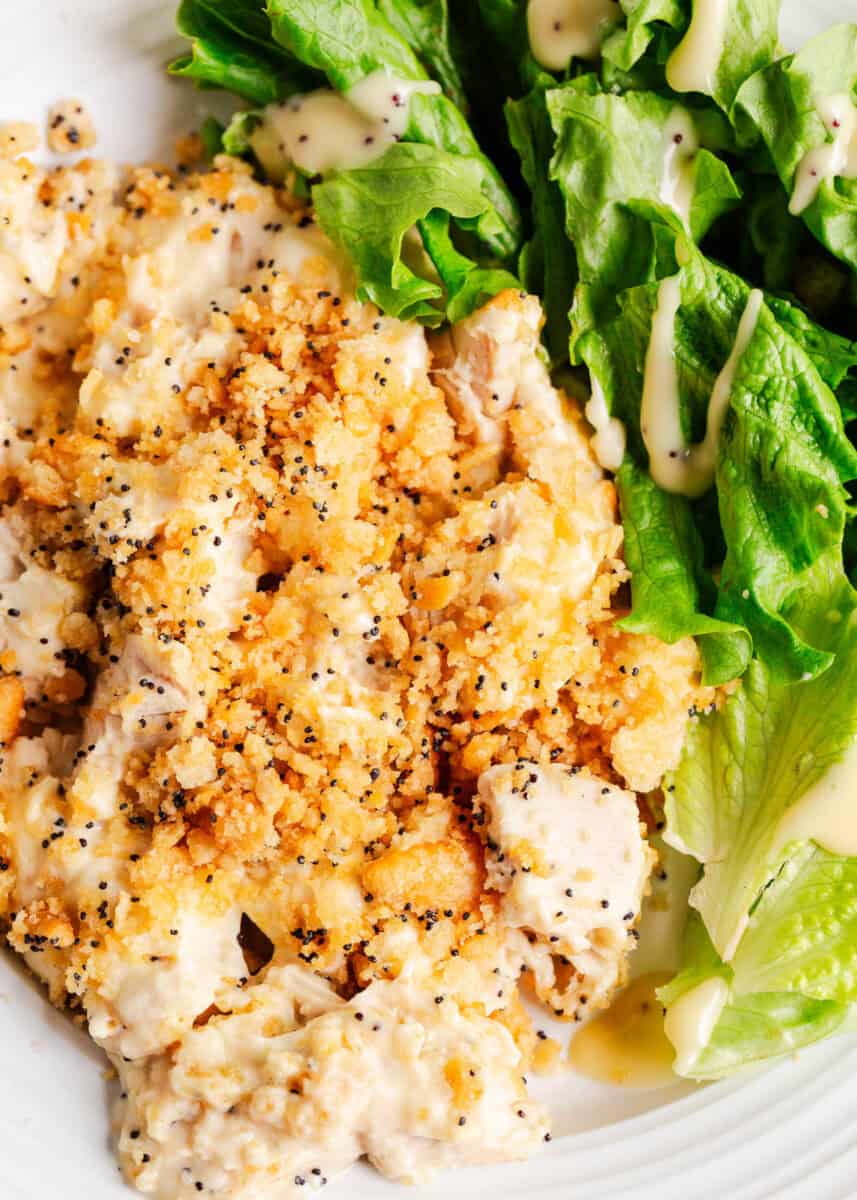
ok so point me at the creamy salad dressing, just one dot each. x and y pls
(626, 1045)
(678, 164)
(608, 441)
(327, 131)
(837, 158)
(691, 1019)
(560, 30)
(676, 467)
(827, 812)
(692, 66)
(660, 421)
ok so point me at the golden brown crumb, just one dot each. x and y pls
(18, 137)
(11, 707)
(70, 127)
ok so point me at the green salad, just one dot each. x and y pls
(681, 193)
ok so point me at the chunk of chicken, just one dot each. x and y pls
(131, 710)
(148, 679)
(566, 852)
(479, 363)
(491, 367)
(186, 956)
(34, 603)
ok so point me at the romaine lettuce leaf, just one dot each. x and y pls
(765, 243)
(232, 48)
(782, 464)
(236, 135)
(609, 164)
(349, 39)
(344, 39)
(673, 596)
(266, 51)
(774, 916)
(781, 103)
(834, 356)
(802, 934)
(211, 135)
(547, 264)
(214, 19)
(757, 1024)
(774, 237)
(507, 21)
(672, 592)
(368, 211)
(650, 26)
(466, 284)
(743, 768)
(494, 32)
(424, 25)
(215, 65)
(653, 28)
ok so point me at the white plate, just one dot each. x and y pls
(789, 1133)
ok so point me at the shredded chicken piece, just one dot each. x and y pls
(566, 852)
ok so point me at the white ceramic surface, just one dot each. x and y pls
(788, 1133)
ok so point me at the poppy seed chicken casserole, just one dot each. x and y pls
(321, 741)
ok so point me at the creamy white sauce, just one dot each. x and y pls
(33, 239)
(25, 396)
(233, 581)
(692, 66)
(678, 164)
(837, 158)
(37, 246)
(28, 815)
(674, 466)
(150, 999)
(146, 684)
(660, 422)
(825, 813)
(325, 131)
(560, 30)
(608, 441)
(691, 1019)
(34, 603)
(222, 1107)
